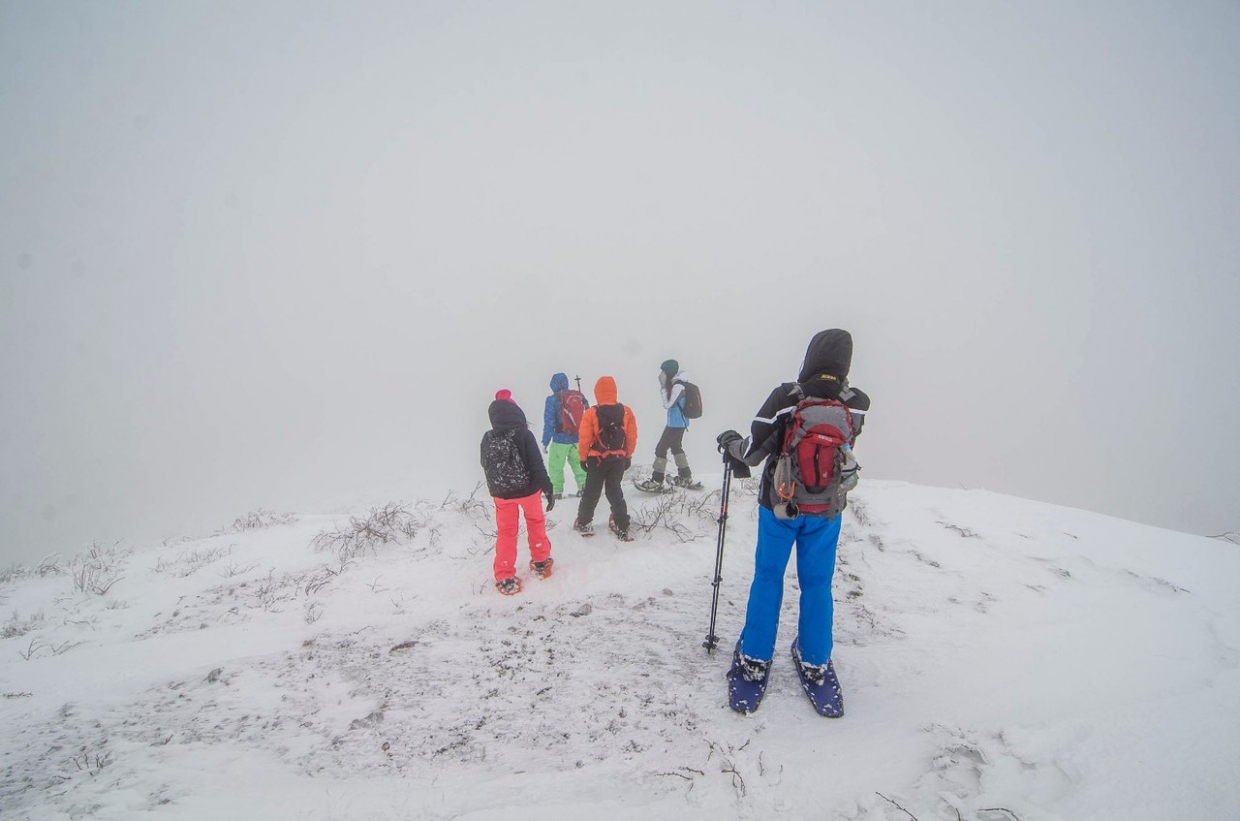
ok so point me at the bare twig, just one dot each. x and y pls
(35, 646)
(1000, 809)
(897, 806)
(92, 765)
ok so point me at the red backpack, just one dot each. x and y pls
(809, 469)
(572, 407)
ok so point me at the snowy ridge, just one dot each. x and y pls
(1001, 659)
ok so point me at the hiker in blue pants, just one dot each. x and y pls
(816, 539)
(805, 432)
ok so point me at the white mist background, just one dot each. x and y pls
(282, 254)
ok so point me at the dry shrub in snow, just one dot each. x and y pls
(188, 563)
(95, 571)
(390, 523)
(258, 520)
(17, 626)
(687, 516)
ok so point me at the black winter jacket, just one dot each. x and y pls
(507, 416)
(824, 376)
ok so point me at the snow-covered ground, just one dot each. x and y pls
(1001, 659)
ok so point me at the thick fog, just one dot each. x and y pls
(283, 254)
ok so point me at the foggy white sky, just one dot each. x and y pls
(282, 254)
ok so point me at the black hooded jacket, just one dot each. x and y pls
(824, 375)
(506, 416)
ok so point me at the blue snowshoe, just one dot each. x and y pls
(820, 684)
(747, 681)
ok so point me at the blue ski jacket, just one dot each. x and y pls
(551, 414)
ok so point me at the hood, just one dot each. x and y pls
(828, 352)
(559, 382)
(605, 391)
(505, 413)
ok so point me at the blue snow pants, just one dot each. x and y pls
(816, 539)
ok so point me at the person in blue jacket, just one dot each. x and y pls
(560, 445)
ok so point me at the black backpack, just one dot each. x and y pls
(612, 441)
(692, 407)
(505, 470)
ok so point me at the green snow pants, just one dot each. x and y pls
(557, 454)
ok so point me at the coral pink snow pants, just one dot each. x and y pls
(507, 522)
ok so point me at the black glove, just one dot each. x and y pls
(628, 463)
(550, 502)
(585, 466)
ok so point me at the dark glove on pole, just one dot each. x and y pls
(726, 441)
(727, 438)
(550, 501)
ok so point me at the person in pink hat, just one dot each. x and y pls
(516, 477)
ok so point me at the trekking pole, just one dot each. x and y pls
(711, 639)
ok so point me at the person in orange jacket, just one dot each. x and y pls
(606, 443)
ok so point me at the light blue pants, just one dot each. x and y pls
(816, 539)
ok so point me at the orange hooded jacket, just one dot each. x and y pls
(587, 442)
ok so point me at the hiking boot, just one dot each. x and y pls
(542, 569)
(585, 529)
(686, 482)
(621, 533)
(820, 684)
(747, 680)
(559, 496)
(510, 586)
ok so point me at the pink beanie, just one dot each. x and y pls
(505, 394)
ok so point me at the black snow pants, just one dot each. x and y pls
(607, 475)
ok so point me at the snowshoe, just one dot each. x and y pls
(747, 680)
(542, 569)
(820, 684)
(686, 483)
(651, 486)
(586, 529)
(510, 586)
(622, 535)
